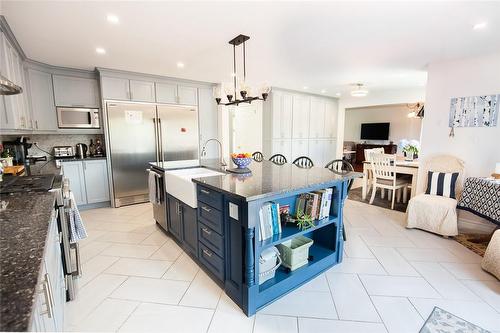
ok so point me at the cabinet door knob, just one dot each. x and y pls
(208, 253)
(206, 209)
(204, 191)
(205, 230)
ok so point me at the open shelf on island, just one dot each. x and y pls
(291, 230)
(283, 276)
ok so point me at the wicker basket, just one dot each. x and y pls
(295, 252)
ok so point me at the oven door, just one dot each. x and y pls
(77, 117)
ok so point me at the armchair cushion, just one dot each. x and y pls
(441, 183)
(433, 213)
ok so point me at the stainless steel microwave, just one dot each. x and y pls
(77, 117)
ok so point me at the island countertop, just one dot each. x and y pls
(268, 179)
(23, 232)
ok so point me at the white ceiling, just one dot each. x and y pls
(321, 45)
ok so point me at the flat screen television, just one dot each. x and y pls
(375, 131)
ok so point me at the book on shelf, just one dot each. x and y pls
(270, 223)
(315, 204)
(325, 203)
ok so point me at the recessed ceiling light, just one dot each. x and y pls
(180, 65)
(306, 87)
(233, 74)
(479, 26)
(323, 91)
(338, 94)
(100, 50)
(113, 19)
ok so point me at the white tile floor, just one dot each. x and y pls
(137, 279)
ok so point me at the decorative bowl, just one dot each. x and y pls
(242, 162)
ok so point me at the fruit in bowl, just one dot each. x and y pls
(242, 160)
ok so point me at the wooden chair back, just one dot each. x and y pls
(303, 162)
(341, 167)
(383, 166)
(368, 152)
(257, 156)
(278, 159)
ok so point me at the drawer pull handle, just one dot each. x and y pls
(205, 230)
(206, 209)
(208, 253)
(204, 191)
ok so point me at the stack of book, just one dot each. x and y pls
(270, 223)
(315, 204)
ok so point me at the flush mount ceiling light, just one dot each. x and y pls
(113, 19)
(338, 94)
(180, 64)
(359, 91)
(479, 26)
(323, 91)
(100, 50)
(244, 89)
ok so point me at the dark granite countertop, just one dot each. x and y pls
(71, 159)
(268, 179)
(23, 232)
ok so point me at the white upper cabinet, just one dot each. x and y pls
(166, 93)
(187, 95)
(317, 118)
(208, 119)
(329, 150)
(42, 100)
(300, 118)
(115, 88)
(331, 114)
(142, 91)
(283, 147)
(282, 115)
(76, 91)
(299, 148)
(316, 148)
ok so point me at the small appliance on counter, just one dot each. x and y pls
(64, 152)
(81, 150)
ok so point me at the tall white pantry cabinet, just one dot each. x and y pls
(297, 124)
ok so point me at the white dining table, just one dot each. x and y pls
(402, 167)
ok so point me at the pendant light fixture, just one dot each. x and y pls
(232, 93)
(359, 91)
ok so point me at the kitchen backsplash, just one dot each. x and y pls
(47, 143)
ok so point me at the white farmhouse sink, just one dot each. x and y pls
(179, 184)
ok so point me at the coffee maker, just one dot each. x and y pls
(18, 149)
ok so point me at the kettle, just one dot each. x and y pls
(81, 150)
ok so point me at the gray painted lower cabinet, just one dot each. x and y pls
(50, 298)
(88, 180)
(182, 224)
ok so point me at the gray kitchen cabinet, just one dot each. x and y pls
(96, 181)
(115, 88)
(42, 100)
(73, 170)
(208, 119)
(88, 180)
(76, 91)
(166, 93)
(49, 303)
(187, 95)
(142, 91)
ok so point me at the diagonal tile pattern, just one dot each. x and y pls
(136, 278)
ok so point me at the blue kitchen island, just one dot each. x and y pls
(228, 234)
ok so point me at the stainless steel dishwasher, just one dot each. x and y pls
(160, 204)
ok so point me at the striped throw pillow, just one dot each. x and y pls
(441, 183)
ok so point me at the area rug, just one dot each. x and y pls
(477, 243)
(441, 321)
(355, 194)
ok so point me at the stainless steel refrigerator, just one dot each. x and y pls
(142, 133)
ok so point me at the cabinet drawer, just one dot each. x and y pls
(210, 216)
(212, 261)
(211, 239)
(210, 197)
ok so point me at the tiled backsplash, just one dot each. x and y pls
(47, 142)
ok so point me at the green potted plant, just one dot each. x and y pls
(410, 149)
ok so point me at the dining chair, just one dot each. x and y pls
(257, 156)
(436, 213)
(303, 162)
(278, 159)
(367, 153)
(384, 176)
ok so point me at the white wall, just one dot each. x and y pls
(401, 126)
(477, 146)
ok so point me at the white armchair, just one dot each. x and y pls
(434, 213)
